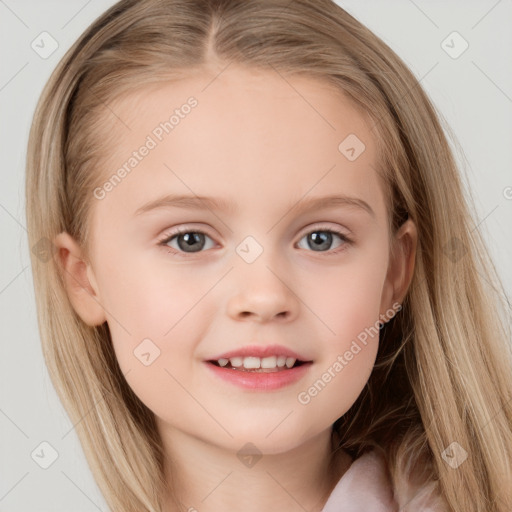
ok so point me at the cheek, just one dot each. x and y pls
(349, 299)
(349, 307)
(336, 385)
(144, 300)
(155, 355)
(152, 318)
(346, 363)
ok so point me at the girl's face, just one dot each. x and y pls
(268, 259)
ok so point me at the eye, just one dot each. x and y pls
(188, 240)
(321, 238)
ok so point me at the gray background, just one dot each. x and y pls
(473, 92)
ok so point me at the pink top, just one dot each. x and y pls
(366, 487)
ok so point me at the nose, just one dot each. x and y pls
(262, 294)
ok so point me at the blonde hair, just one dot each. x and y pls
(443, 371)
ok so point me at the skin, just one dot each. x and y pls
(261, 144)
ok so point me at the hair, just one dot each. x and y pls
(443, 368)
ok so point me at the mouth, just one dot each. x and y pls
(253, 374)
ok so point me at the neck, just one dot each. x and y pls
(208, 478)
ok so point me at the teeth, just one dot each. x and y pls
(253, 363)
(269, 362)
(236, 361)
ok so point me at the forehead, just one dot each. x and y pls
(249, 135)
(264, 103)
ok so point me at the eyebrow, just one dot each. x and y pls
(212, 203)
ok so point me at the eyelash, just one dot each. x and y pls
(180, 231)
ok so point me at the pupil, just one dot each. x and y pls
(190, 239)
(321, 239)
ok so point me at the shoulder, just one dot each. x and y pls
(411, 497)
(367, 485)
(363, 487)
(415, 492)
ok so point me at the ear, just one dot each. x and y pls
(401, 266)
(79, 280)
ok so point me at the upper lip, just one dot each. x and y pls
(260, 351)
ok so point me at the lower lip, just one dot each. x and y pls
(261, 381)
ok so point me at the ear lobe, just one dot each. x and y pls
(401, 265)
(79, 280)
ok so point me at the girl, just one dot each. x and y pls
(263, 370)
